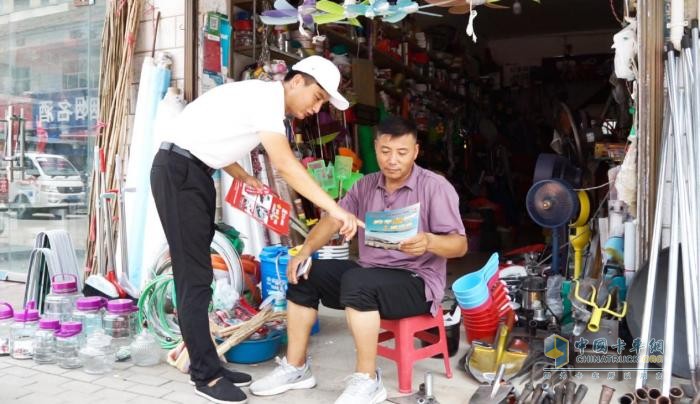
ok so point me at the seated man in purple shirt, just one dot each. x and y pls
(389, 284)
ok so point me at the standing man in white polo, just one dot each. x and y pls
(213, 132)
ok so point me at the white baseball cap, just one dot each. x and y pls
(326, 75)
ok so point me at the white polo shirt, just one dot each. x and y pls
(222, 125)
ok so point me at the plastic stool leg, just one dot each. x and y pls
(445, 353)
(404, 343)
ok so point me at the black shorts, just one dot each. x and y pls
(395, 293)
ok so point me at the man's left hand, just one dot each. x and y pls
(416, 245)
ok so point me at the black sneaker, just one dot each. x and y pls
(239, 379)
(223, 392)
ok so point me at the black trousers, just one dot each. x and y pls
(186, 201)
(395, 293)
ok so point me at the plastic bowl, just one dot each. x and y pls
(255, 351)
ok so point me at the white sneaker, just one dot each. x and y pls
(361, 389)
(283, 378)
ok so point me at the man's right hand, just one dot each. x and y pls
(349, 223)
(293, 267)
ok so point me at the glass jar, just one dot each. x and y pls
(119, 322)
(97, 356)
(44, 343)
(60, 302)
(6, 314)
(145, 350)
(89, 312)
(68, 345)
(22, 332)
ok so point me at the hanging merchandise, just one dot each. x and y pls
(119, 36)
(155, 78)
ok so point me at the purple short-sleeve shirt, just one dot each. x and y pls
(439, 214)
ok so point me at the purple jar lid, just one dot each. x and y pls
(68, 286)
(27, 315)
(121, 306)
(49, 324)
(90, 303)
(70, 328)
(6, 311)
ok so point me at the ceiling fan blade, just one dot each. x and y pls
(464, 9)
(356, 9)
(279, 13)
(330, 7)
(496, 6)
(284, 5)
(267, 20)
(328, 18)
(429, 14)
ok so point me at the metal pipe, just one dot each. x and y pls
(606, 394)
(429, 383)
(642, 394)
(559, 394)
(8, 133)
(537, 394)
(671, 285)
(570, 392)
(628, 399)
(580, 393)
(653, 256)
(654, 395)
(21, 140)
(676, 394)
(527, 391)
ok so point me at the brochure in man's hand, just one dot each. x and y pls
(263, 205)
(386, 229)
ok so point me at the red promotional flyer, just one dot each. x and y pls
(263, 205)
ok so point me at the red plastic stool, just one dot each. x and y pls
(404, 331)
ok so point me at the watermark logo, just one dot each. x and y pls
(557, 347)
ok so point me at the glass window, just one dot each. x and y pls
(49, 74)
(21, 5)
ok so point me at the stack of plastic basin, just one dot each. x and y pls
(483, 299)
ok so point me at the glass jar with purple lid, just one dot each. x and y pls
(44, 343)
(119, 321)
(22, 332)
(60, 301)
(6, 314)
(68, 345)
(89, 312)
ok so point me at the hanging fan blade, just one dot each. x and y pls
(428, 14)
(284, 5)
(328, 18)
(278, 20)
(279, 13)
(356, 9)
(330, 7)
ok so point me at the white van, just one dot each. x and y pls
(51, 184)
